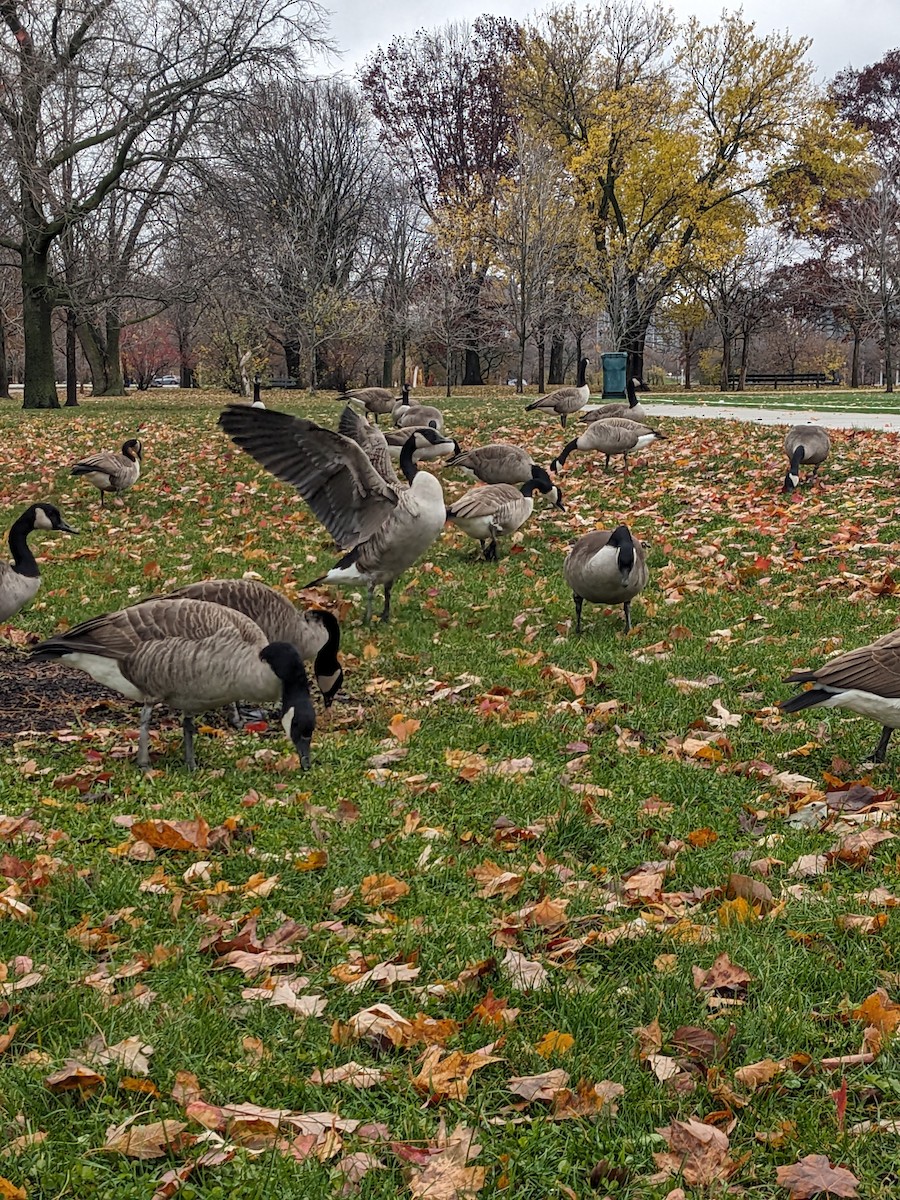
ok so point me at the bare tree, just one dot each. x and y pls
(125, 68)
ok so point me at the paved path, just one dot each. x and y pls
(776, 416)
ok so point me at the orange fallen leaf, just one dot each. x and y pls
(554, 1042)
(172, 835)
(382, 889)
(402, 728)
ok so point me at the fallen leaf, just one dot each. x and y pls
(382, 889)
(172, 835)
(132, 1054)
(353, 1073)
(74, 1076)
(524, 973)
(448, 1075)
(495, 881)
(698, 1152)
(146, 1141)
(539, 1087)
(402, 728)
(554, 1043)
(815, 1176)
(446, 1175)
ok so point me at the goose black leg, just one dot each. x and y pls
(143, 754)
(187, 730)
(625, 456)
(562, 420)
(606, 465)
(579, 603)
(627, 608)
(386, 611)
(881, 748)
(490, 553)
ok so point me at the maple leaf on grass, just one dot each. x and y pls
(74, 1076)
(815, 1176)
(446, 1175)
(539, 1087)
(449, 1074)
(132, 1054)
(172, 835)
(697, 1151)
(352, 1073)
(382, 889)
(147, 1141)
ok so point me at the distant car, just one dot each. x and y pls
(166, 381)
(513, 382)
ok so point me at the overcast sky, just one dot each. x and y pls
(844, 32)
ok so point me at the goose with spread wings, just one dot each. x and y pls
(384, 525)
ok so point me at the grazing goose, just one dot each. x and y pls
(314, 632)
(192, 656)
(606, 567)
(444, 447)
(804, 444)
(377, 400)
(866, 680)
(487, 513)
(387, 526)
(112, 472)
(20, 579)
(498, 463)
(414, 416)
(632, 411)
(567, 400)
(611, 437)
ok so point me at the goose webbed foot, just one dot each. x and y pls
(188, 730)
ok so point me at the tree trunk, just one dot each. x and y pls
(726, 362)
(888, 366)
(71, 376)
(687, 351)
(472, 376)
(540, 350)
(188, 377)
(742, 370)
(292, 358)
(4, 365)
(402, 360)
(94, 352)
(579, 340)
(557, 349)
(37, 315)
(387, 364)
(854, 360)
(115, 384)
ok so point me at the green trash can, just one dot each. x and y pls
(615, 365)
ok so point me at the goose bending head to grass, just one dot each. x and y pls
(20, 579)
(865, 681)
(386, 526)
(112, 472)
(378, 401)
(804, 444)
(608, 566)
(498, 463)
(414, 416)
(633, 410)
(487, 513)
(565, 401)
(611, 437)
(192, 656)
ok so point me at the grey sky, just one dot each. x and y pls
(844, 32)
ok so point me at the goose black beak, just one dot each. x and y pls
(64, 527)
(303, 745)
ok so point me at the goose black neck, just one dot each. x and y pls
(407, 465)
(24, 562)
(567, 450)
(327, 658)
(530, 486)
(797, 458)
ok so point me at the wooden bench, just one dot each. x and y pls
(792, 378)
(281, 383)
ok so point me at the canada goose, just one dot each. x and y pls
(386, 526)
(567, 400)
(865, 680)
(606, 567)
(377, 400)
(498, 463)
(611, 437)
(20, 579)
(414, 416)
(112, 472)
(632, 411)
(804, 444)
(371, 440)
(314, 632)
(487, 513)
(192, 656)
(444, 447)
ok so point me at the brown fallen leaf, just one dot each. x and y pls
(722, 976)
(74, 1076)
(697, 1151)
(402, 728)
(587, 1100)
(880, 1011)
(352, 1072)
(186, 1088)
(538, 1087)
(449, 1074)
(495, 881)
(862, 924)
(446, 1174)
(353, 1168)
(754, 1075)
(494, 1010)
(382, 889)
(523, 973)
(147, 1141)
(132, 1054)
(650, 1038)
(172, 835)
(385, 975)
(815, 1176)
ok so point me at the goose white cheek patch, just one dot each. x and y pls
(287, 721)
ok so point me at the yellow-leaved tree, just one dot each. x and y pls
(667, 131)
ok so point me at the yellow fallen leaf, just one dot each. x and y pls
(554, 1042)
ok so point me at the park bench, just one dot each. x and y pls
(792, 378)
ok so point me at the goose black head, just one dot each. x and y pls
(133, 449)
(792, 479)
(298, 717)
(48, 516)
(623, 544)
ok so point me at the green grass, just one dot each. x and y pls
(791, 578)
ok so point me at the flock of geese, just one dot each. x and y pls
(217, 642)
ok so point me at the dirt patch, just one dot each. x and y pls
(47, 695)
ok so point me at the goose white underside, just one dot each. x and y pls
(351, 574)
(100, 480)
(644, 440)
(476, 527)
(105, 671)
(880, 708)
